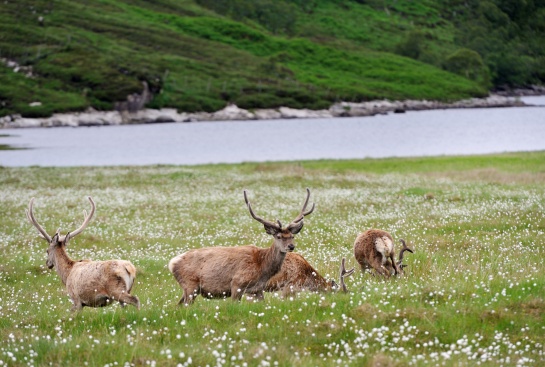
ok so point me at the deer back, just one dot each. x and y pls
(88, 278)
(215, 268)
(297, 273)
(373, 244)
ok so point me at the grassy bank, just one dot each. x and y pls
(194, 59)
(473, 291)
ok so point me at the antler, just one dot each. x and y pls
(405, 248)
(33, 221)
(261, 220)
(344, 273)
(86, 220)
(298, 221)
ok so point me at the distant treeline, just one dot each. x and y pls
(501, 43)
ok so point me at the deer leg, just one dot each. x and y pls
(129, 299)
(122, 296)
(259, 296)
(77, 305)
(364, 265)
(379, 268)
(191, 290)
(236, 292)
(190, 293)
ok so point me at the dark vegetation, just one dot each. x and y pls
(200, 55)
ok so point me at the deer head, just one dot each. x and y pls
(58, 241)
(283, 237)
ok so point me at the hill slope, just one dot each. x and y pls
(201, 55)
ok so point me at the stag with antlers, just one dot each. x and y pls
(218, 272)
(88, 283)
(374, 249)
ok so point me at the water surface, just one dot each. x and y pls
(425, 133)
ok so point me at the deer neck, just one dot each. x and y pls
(271, 262)
(63, 264)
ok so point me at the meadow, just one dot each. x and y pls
(472, 293)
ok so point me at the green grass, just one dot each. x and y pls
(96, 53)
(201, 55)
(472, 293)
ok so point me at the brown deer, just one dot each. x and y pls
(297, 274)
(89, 283)
(374, 249)
(216, 272)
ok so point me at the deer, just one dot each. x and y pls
(297, 274)
(221, 272)
(88, 283)
(374, 249)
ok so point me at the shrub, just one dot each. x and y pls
(412, 46)
(469, 64)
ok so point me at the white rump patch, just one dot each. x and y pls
(385, 246)
(173, 261)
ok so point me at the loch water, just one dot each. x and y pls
(418, 133)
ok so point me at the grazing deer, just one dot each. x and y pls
(216, 272)
(374, 249)
(297, 274)
(89, 283)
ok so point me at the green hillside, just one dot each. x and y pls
(200, 55)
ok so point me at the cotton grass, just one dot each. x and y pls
(472, 293)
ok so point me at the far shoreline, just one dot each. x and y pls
(231, 112)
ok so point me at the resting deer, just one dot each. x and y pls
(374, 249)
(297, 274)
(216, 272)
(89, 283)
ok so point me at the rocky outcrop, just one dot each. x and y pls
(232, 112)
(533, 90)
(371, 108)
(292, 113)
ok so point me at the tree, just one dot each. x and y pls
(469, 64)
(412, 46)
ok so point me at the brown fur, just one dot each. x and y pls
(374, 249)
(88, 283)
(297, 274)
(220, 272)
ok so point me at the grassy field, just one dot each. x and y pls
(473, 293)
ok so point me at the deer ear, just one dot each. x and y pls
(271, 229)
(295, 228)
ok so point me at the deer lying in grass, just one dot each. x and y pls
(374, 249)
(218, 272)
(297, 274)
(89, 283)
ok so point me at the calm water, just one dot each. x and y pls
(426, 133)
